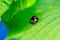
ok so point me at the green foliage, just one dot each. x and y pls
(18, 13)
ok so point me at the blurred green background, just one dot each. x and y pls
(17, 14)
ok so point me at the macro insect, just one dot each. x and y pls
(34, 19)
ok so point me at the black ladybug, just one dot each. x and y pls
(34, 19)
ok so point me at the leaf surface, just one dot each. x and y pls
(17, 19)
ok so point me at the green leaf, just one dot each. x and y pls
(14, 13)
(4, 6)
(17, 19)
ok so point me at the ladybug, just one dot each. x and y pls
(34, 19)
